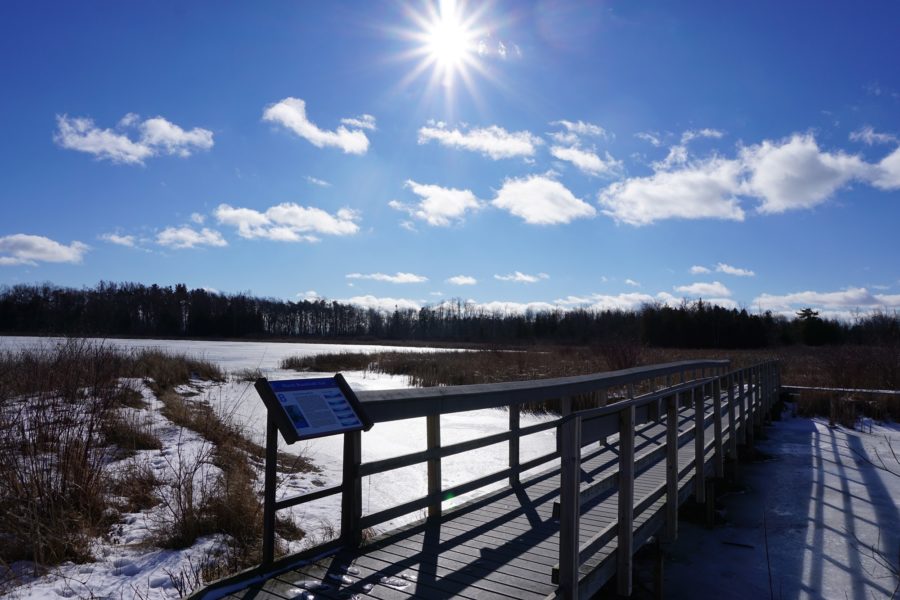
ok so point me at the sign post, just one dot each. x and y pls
(302, 409)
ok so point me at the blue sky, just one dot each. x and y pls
(515, 154)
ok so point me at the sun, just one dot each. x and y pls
(447, 41)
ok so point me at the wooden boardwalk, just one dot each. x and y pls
(506, 544)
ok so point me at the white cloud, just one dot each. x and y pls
(198, 218)
(156, 136)
(317, 181)
(382, 304)
(462, 280)
(736, 271)
(885, 175)
(159, 133)
(439, 206)
(360, 122)
(843, 300)
(678, 154)
(626, 302)
(795, 173)
(633, 301)
(310, 296)
(81, 134)
(582, 128)
(651, 137)
(703, 190)
(632, 283)
(539, 200)
(789, 174)
(699, 270)
(492, 141)
(395, 278)
(500, 307)
(120, 240)
(187, 237)
(714, 289)
(693, 134)
(520, 277)
(25, 249)
(587, 161)
(291, 113)
(288, 222)
(869, 136)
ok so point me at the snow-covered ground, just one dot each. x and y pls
(821, 519)
(126, 569)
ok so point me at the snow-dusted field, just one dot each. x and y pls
(820, 520)
(126, 570)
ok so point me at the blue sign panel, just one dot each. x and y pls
(309, 408)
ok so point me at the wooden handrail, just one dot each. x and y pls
(759, 394)
(685, 383)
(393, 405)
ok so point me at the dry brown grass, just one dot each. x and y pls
(845, 366)
(65, 415)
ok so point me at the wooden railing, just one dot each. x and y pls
(634, 396)
(749, 394)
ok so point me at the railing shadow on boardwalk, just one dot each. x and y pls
(671, 427)
(816, 510)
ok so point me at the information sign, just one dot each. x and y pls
(311, 408)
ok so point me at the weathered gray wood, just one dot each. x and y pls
(626, 501)
(570, 507)
(433, 442)
(507, 544)
(304, 498)
(699, 446)
(672, 468)
(351, 497)
(514, 417)
(719, 460)
(392, 405)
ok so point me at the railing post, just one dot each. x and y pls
(672, 467)
(625, 547)
(271, 482)
(699, 445)
(433, 439)
(741, 407)
(351, 495)
(569, 506)
(757, 401)
(732, 426)
(515, 411)
(719, 456)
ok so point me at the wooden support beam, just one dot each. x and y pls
(569, 506)
(732, 427)
(672, 404)
(625, 548)
(433, 442)
(699, 445)
(271, 476)
(514, 426)
(742, 408)
(351, 497)
(719, 456)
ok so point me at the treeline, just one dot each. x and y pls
(134, 309)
